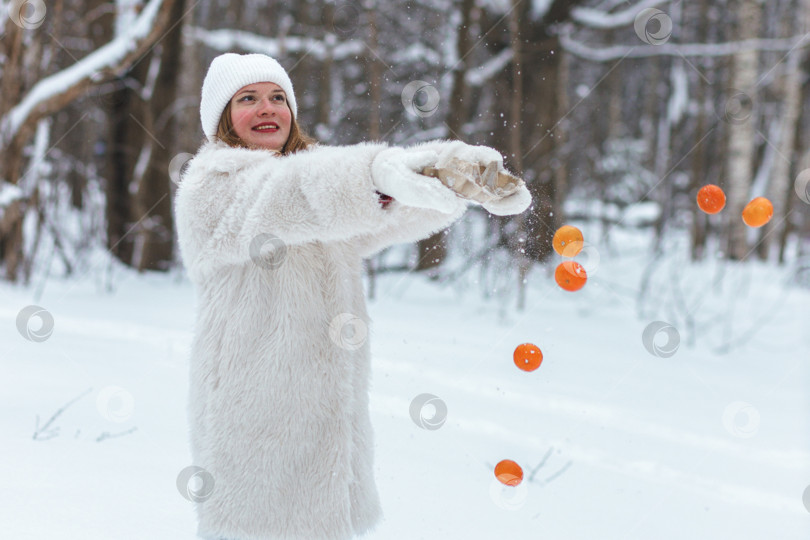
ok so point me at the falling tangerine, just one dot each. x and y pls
(758, 212)
(508, 472)
(570, 275)
(528, 356)
(711, 199)
(565, 236)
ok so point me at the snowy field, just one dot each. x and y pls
(710, 442)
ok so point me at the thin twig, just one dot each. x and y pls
(540, 465)
(558, 473)
(106, 435)
(38, 431)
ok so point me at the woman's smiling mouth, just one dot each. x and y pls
(266, 126)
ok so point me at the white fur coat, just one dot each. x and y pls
(278, 404)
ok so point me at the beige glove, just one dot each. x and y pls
(499, 191)
(475, 182)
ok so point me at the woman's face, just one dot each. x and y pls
(261, 116)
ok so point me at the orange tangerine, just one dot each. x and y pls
(711, 199)
(758, 212)
(508, 472)
(565, 236)
(528, 356)
(570, 275)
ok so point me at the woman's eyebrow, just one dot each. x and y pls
(277, 91)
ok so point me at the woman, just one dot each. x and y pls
(280, 364)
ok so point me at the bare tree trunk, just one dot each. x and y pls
(780, 187)
(325, 86)
(75, 143)
(515, 137)
(561, 153)
(615, 84)
(668, 130)
(12, 84)
(648, 123)
(433, 250)
(802, 151)
(542, 52)
(457, 115)
(700, 220)
(541, 219)
(153, 203)
(126, 141)
(376, 76)
(741, 131)
(662, 160)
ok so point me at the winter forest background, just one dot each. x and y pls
(615, 112)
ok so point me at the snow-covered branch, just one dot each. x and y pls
(55, 91)
(596, 18)
(480, 75)
(8, 194)
(615, 52)
(418, 52)
(537, 9)
(227, 40)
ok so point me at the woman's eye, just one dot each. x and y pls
(277, 97)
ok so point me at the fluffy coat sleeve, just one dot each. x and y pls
(406, 224)
(229, 196)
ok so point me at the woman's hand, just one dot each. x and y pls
(395, 172)
(477, 173)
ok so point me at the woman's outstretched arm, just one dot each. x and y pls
(406, 224)
(229, 196)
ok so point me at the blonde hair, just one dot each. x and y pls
(297, 139)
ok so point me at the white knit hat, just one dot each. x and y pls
(228, 73)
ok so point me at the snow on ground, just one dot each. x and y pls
(711, 442)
